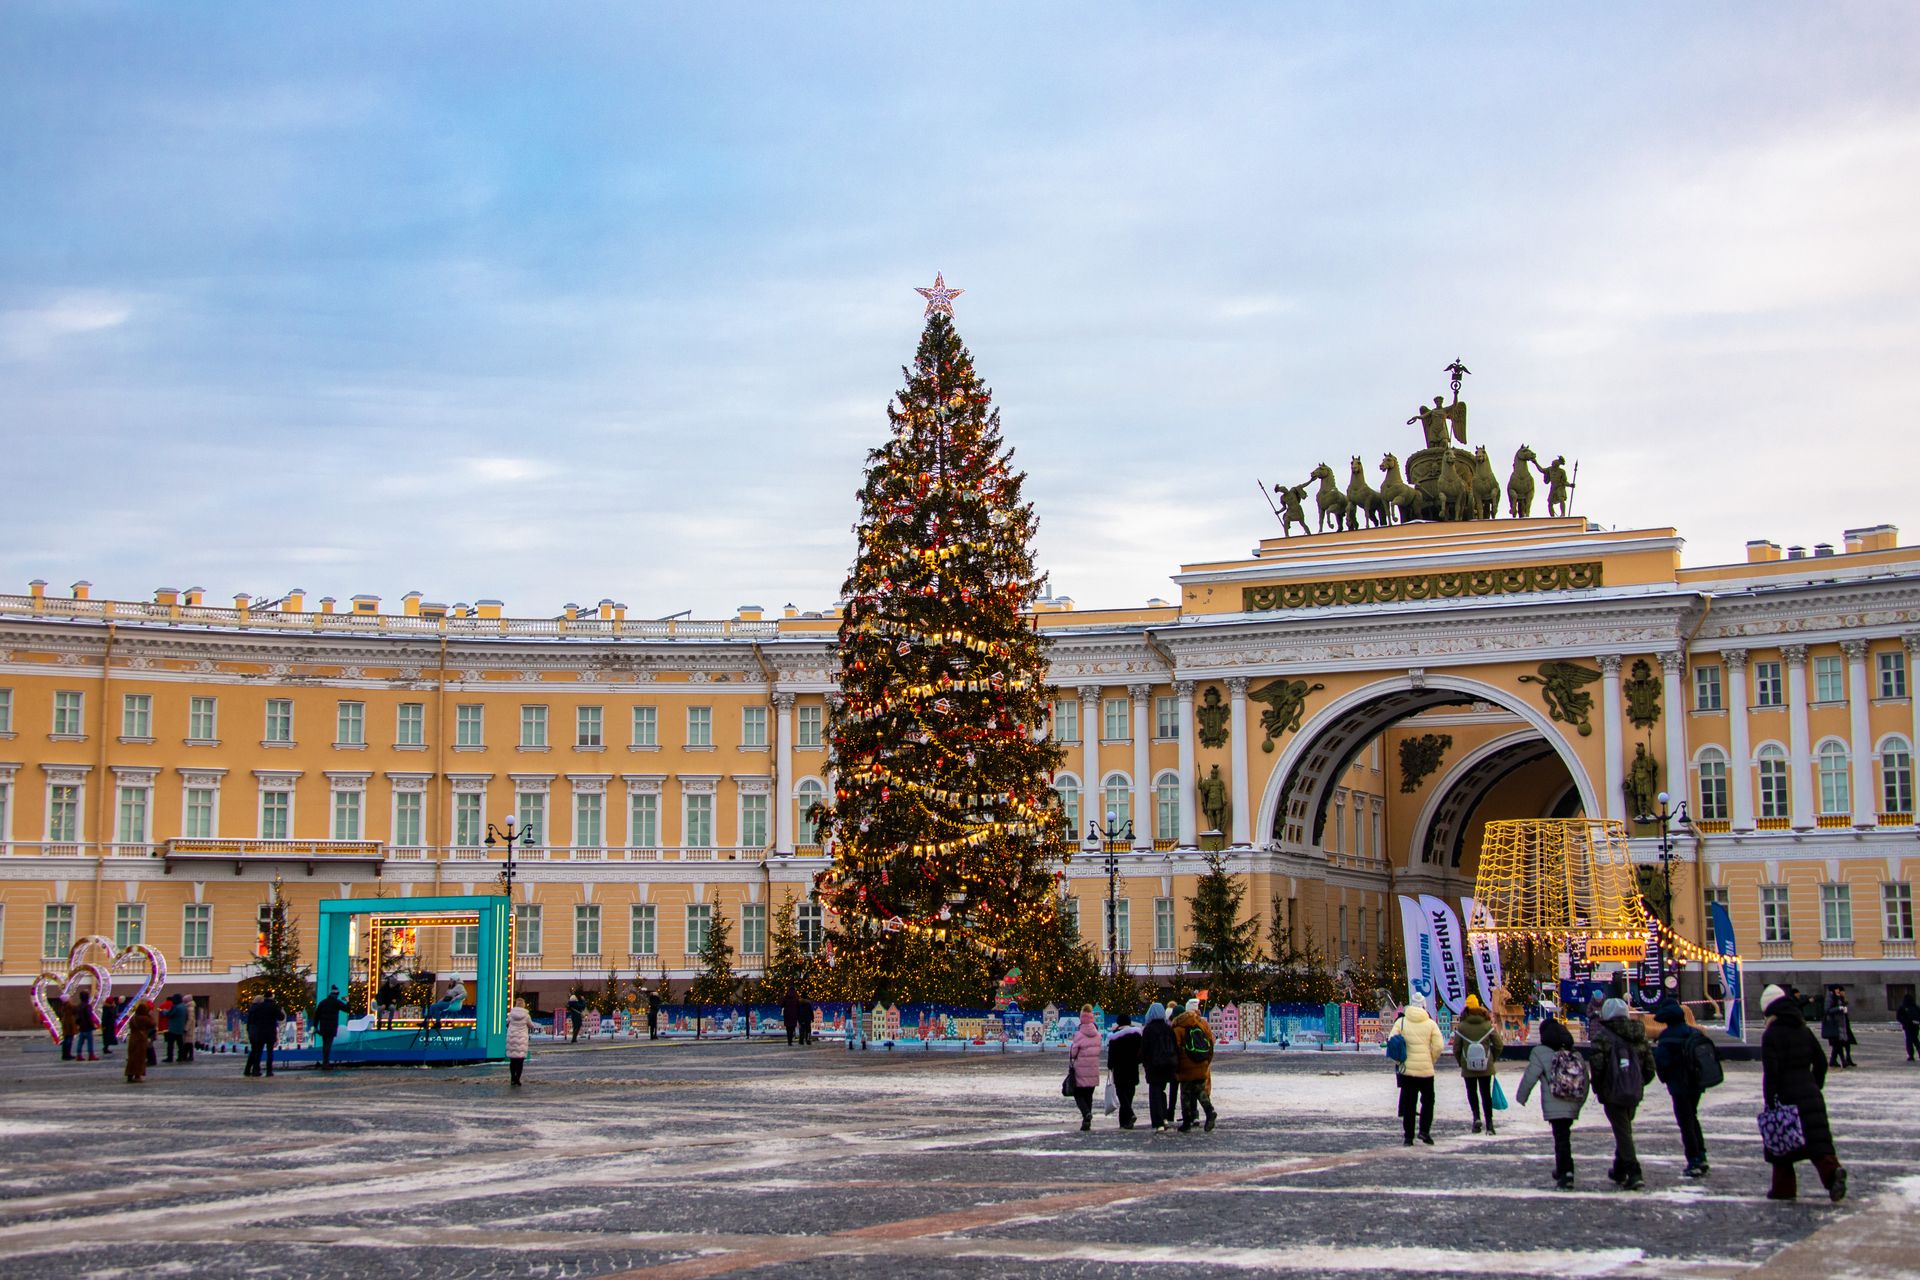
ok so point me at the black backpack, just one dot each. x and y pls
(1704, 1059)
(1163, 1053)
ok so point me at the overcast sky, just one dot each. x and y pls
(559, 302)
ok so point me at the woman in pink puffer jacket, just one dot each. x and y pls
(1083, 1056)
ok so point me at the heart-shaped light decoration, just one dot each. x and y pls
(139, 960)
(96, 974)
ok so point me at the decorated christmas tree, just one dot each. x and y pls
(946, 835)
(280, 973)
(717, 984)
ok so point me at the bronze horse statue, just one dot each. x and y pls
(1520, 483)
(1364, 500)
(1330, 500)
(1402, 499)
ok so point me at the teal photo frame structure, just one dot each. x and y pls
(486, 1038)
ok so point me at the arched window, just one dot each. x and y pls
(1835, 794)
(808, 794)
(1166, 807)
(1896, 776)
(1118, 800)
(1773, 782)
(1713, 785)
(1067, 787)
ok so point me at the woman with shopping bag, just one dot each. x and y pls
(1794, 1125)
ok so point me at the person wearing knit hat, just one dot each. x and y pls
(1476, 1048)
(1688, 1065)
(1560, 1110)
(1622, 1065)
(1194, 1071)
(1793, 1073)
(1425, 1044)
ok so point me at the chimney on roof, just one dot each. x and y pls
(326, 604)
(410, 604)
(366, 604)
(296, 601)
(82, 590)
(1796, 553)
(748, 613)
(788, 611)
(604, 610)
(1761, 551)
(1879, 537)
(195, 595)
(241, 600)
(168, 596)
(486, 609)
(37, 588)
(1823, 549)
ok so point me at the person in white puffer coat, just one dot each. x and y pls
(1425, 1044)
(519, 1029)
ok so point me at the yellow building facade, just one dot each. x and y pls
(1348, 709)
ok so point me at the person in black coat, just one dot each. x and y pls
(790, 1013)
(264, 1017)
(326, 1024)
(653, 1014)
(109, 1018)
(1676, 1056)
(1908, 1016)
(1159, 1056)
(1836, 1028)
(1124, 1051)
(1793, 1072)
(806, 1020)
(576, 1010)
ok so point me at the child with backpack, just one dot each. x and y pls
(1195, 1070)
(1476, 1047)
(1689, 1065)
(1622, 1063)
(1559, 1067)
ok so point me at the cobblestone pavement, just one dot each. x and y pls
(680, 1159)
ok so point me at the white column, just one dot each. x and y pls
(1912, 641)
(1799, 751)
(1615, 740)
(1143, 828)
(783, 773)
(1189, 800)
(1093, 803)
(1675, 774)
(1242, 802)
(1859, 732)
(1740, 741)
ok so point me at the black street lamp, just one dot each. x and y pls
(1666, 818)
(1113, 839)
(507, 832)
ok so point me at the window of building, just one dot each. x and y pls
(468, 827)
(68, 708)
(279, 720)
(469, 725)
(808, 794)
(753, 822)
(1773, 782)
(351, 725)
(1341, 919)
(527, 940)
(129, 925)
(6, 711)
(699, 830)
(1113, 720)
(410, 725)
(532, 807)
(1166, 717)
(56, 934)
(1065, 724)
(588, 820)
(1835, 789)
(409, 814)
(699, 921)
(1166, 807)
(1836, 913)
(753, 726)
(1117, 798)
(346, 815)
(1892, 665)
(1769, 689)
(1122, 927)
(1070, 912)
(533, 726)
(1163, 924)
(809, 725)
(466, 942)
(196, 931)
(753, 928)
(641, 929)
(586, 929)
(1068, 789)
(1721, 897)
(643, 820)
(133, 815)
(1713, 785)
(276, 815)
(646, 726)
(1829, 680)
(699, 726)
(199, 813)
(203, 719)
(1775, 923)
(136, 715)
(1706, 688)
(1339, 844)
(1896, 776)
(63, 812)
(1896, 911)
(811, 919)
(587, 727)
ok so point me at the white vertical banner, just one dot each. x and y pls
(1485, 947)
(1422, 960)
(1450, 955)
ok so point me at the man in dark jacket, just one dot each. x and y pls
(1622, 1063)
(1159, 1055)
(576, 1010)
(264, 1016)
(790, 1013)
(1676, 1058)
(653, 1014)
(1793, 1072)
(1908, 1015)
(326, 1024)
(806, 1021)
(179, 1014)
(1124, 1049)
(1836, 1028)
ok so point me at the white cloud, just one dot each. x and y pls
(33, 331)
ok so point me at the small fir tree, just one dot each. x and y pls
(1226, 947)
(788, 964)
(717, 983)
(280, 973)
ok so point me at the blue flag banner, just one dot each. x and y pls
(1729, 970)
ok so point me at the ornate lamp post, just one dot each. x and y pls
(507, 832)
(1667, 818)
(1113, 838)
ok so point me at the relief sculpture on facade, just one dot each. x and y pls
(1560, 688)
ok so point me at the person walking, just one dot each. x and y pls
(1836, 1028)
(264, 1016)
(1476, 1047)
(1194, 1040)
(1123, 1065)
(85, 1021)
(1421, 1034)
(63, 1017)
(179, 1025)
(1561, 1071)
(1688, 1065)
(109, 1019)
(1908, 1016)
(806, 1021)
(326, 1024)
(653, 1013)
(1793, 1073)
(1083, 1061)
(1159, 1056)
(576, 1010)
(140, 1033)
(519, 1039)
(1622, 1064)
(790, 1013)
